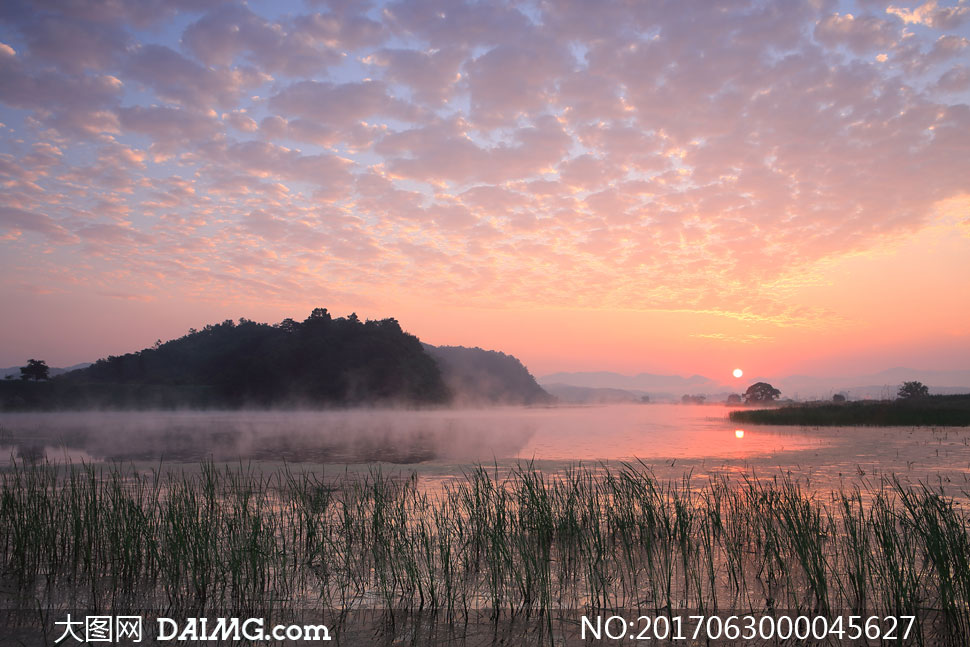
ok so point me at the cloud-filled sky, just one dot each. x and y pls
(665, 186)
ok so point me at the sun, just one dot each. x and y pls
(738, 372)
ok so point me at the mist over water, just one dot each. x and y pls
(672, 440)
(346, 436)
(618, 432)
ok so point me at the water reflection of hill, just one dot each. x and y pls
(671, 439)
(346, 436)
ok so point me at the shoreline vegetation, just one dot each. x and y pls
(925, 411)
(517, 544)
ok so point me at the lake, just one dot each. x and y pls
(671, 439)
(571, 511)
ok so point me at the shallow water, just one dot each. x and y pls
(662, 431)
(432, 451)
(603, 433)
(671, 439)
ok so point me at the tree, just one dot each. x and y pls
(912, 389)
(761, 392)
(838, 397)
(319, 314)
(289, 326)
(36, 369)
(734, 398)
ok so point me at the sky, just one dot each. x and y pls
(669, 186)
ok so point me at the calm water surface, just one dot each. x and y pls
(672, 439)
(600, 433)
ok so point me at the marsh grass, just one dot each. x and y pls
(929, 411)
(519, 543)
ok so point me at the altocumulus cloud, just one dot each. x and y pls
(566, 152)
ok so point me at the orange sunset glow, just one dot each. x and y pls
(666, 187)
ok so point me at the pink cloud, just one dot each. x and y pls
(339, 105)
(12, 219)
(510, 81)
(605, 153)
(170, 126)
(446, 24)
(956, 79)
(443, 151)
(932, 15)
(231, 30)
(74, 45)
(175, 78)
(44, 89)
(860, 34)
(588, 172)
(431, 76)
(344, 28)
(265, 160)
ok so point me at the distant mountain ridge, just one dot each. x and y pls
(875, 385)
(591, 395)
(641, 381)
(889, 378)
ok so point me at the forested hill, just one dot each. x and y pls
(320, 361)
(476, 376)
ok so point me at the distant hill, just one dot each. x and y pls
(875, 385)
(14, 371)
(589, 395)
(321, 361)
(800, 387)
(475, 376)
(646, 382)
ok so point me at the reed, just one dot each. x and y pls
(523, 542)
(928, 411)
